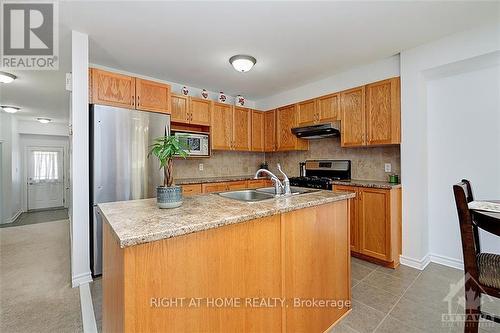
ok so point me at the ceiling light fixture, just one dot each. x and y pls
(10, 109)
(44, 120)
(242, 63)
(7, 77)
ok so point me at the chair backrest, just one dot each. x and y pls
(468, 230)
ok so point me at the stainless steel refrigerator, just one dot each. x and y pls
(119, 165)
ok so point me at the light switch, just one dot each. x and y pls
(387, 167)
(200, 166)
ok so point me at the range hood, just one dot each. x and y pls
(320, 131)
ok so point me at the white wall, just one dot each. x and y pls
(79, 160)
(11, 194)
(415, 63)
(35, 127)
(176, 87)
(376, 71)
(464, 142)
(33, 140)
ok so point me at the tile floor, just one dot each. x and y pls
(386, 300)
(407, 300)
(38, 217)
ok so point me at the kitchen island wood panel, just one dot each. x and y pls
(303, 254)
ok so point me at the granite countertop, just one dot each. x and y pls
(140, 221)
(367, 183)
(352, 182)
(186, 181)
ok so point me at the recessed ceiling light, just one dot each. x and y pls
(242, 63)
(10, 109)
(44, 120)
(7, 77)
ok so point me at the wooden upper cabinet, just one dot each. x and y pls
(307, 112)
(383, 114)
(328, 108)
(112, 89)
(180, 108)
(286, 119)
(270, 131)
(152, 96)
(200, 111)
(221, 122)
(353, 117)
(257, 130)
(242, 128)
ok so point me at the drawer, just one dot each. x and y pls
(191, 189)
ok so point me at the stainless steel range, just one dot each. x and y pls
(321, 173)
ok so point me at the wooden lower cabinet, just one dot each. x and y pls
(191, 189)
(296, 255)
(257, 183)
(375, 223)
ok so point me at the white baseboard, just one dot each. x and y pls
(419, 264)
(447, 261)
(80, 279)
(13, 218)
(88, 314)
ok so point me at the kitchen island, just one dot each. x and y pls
(221, 265)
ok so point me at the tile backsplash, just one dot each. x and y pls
(221, 163)
(367, 163)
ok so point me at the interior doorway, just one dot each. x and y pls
(45, 177)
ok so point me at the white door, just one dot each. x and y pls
(45, 178)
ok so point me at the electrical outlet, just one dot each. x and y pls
(200, 166)
(387, 167)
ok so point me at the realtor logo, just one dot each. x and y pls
(29, 35)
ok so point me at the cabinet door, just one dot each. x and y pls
(257, 130)
(191, 189)
(213, 187)
(307, 114)
(237, 185)
(242, 128)
(152, 96)
(270, 131)
(257, 183)
(200, 111)
(353, 117)
(383, 114)
(353, 215)
(286, 119)
(112, 89)
(374, 217)
(180, 109)
(329, 108)
(221, 122)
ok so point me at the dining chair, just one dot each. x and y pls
(482, 270)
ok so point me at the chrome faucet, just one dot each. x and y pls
(279, 187)
(286, 181)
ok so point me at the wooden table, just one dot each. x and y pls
(489, 221)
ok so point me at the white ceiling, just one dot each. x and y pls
(294, 42)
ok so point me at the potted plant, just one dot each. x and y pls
(165, 148)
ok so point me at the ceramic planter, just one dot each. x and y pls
(169, 197)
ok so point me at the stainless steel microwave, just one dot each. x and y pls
(197, 143)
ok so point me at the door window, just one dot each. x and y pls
(45, 166)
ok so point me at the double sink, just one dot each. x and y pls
(260, 194)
